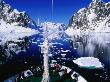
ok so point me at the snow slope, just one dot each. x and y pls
(14, 24)
(10, 15)
(12, 32)
(55, 30)
(89, 29)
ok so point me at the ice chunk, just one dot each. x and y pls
(88, 62)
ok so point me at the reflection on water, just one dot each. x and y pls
(11, 48)
(93, 45)
(96, 45)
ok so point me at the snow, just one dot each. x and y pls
(88, 62)
(71, 32)
(64, 67)
(107, 3)
(94, 31)
(81, 10)
(91, 17)
(101, 27)
(12, 32)
(96, 1)
(53, 29)
(92, 36)
(16, 11)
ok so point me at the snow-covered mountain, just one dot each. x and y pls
(94, 18)
(55, 30)
(14, 24)
(12, 32)
(10, 15)
(89, 29)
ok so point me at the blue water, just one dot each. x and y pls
(64, 43)
(33, 55)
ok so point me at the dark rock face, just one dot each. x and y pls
(97, 9)
(90, 22)
(93, 26)
(13, 15)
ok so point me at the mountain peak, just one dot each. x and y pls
(96, 0)
(10, 15)
(96, 3)
(92, 17)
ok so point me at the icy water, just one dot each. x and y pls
(30, 55)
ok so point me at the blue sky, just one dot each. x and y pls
(62, 12)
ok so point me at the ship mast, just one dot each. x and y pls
(52, 8)
(38, 22)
